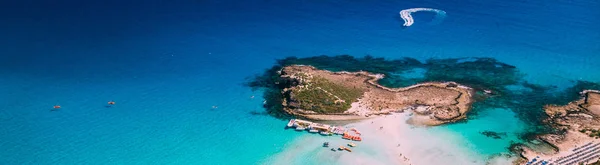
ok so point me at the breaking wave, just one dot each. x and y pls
(408, 19)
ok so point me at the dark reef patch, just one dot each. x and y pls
(494, 135)
(489, 77)
(479, 73)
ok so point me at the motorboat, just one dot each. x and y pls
(348, 149)
(313, 131)
(291, 123)
(339, 131)
(333, 149)
(346, 136)
(326, 144)
(351, 144)
(300, 128)
(324, 133)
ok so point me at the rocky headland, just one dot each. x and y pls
(324, 95)
(577, 124)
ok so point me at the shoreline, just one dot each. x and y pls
(398, 142)
(578, 121)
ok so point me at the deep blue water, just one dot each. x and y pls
(166, 63)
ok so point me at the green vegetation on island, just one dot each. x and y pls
(594, 133)
(324, 96)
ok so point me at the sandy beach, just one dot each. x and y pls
(396, 143)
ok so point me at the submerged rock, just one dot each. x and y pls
(494, 135)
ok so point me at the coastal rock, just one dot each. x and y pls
(422, 110)
(446, 113)
(325, 95)
(577, 123)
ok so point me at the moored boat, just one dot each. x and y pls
(351, 144)
(326, 144)
(300, 128)
(346, 136)
(339, 131)
(291, 123)
(313, 131)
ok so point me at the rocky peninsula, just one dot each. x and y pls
(324, 95)
(578, 129)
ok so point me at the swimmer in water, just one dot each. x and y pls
(109, 104)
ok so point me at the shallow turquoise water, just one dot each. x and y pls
(166, 64)
(497, 120)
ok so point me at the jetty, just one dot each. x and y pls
(324, 129)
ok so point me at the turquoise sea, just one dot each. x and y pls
(167, 63)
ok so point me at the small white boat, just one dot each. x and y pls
(324, 133)
(313, 131)
(351, 144)
(291, 123)
(300, 128)
(339, 131)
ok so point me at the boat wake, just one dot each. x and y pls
(408, 19)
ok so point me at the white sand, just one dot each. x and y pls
(419, 145)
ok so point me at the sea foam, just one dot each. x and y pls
(408, 19)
